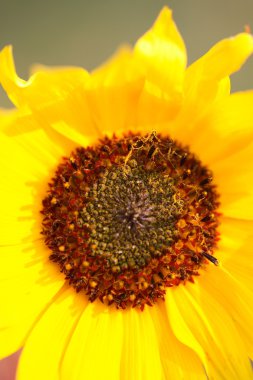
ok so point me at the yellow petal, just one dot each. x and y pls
(95, 348)
(182, 330)
(235, 249)
(155, 109)
(121, 97)
(122, 68)
(42, 146)
(162, 53)
(28, 284)
(113, 109)
(13, 338)
(70, 117)
(55, 96)
(42, 88)
(30, 278)
(207, 80)
(227, 56)
(222, 60)
(19, 171)
(122, 106)
(236, 193)
(178, 360)
(213, 328)
(234, 297)
(162, 56)
(113, 93)
(140, 354)
(224, 130)
(45, 345)
(28, 159)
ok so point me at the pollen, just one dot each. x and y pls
(130, 217)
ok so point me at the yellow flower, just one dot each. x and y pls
(202, 328)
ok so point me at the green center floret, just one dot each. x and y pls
(132, 212)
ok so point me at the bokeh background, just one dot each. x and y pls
(86, 32)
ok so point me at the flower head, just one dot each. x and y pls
(127, 215)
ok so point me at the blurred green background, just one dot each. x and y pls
(85, 33)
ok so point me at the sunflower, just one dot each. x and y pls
(126, 215)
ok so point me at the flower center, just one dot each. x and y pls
(130, 217)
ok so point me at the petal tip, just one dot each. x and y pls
(165, 15)
(6, 61)
(8, 76)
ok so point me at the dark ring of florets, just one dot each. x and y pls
(130, 217)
